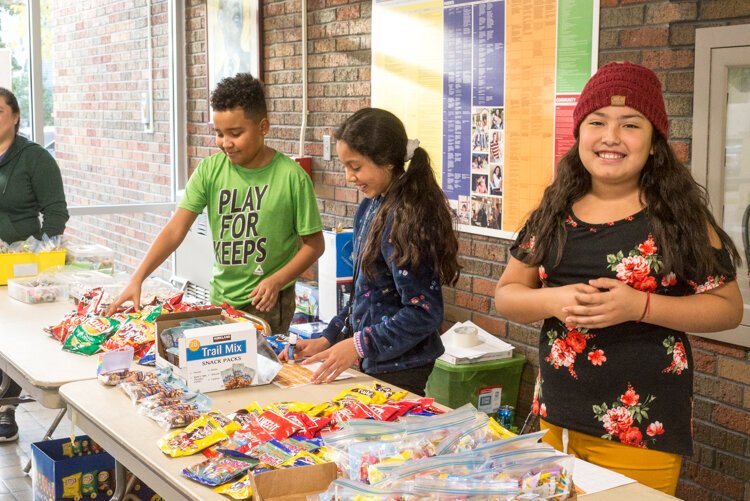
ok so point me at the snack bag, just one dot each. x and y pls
(88, 337)
(201, 433)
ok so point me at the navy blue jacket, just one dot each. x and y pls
(396, 314)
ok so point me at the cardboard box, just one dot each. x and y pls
(51, 469)
(335, 270)
(311, 330)
(306, 298)
(292, 484)
(221, 357)
(28, 264)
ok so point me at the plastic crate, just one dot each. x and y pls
(456, 385)
(51, 469)
(28, 264)
(33, 290)
(91, 257)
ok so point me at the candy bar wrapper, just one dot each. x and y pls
(241, 489)
(213, 472)
(200, 434)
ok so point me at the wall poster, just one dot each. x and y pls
(488, 87)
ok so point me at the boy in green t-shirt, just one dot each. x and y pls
(260, 205)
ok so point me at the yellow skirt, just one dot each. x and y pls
(656, 469)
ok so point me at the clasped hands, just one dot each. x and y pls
(602, 302)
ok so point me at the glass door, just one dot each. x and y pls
(721, 144)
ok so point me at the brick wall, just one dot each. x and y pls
(654, 33)
(101, 75)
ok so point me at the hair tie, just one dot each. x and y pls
(411, 146)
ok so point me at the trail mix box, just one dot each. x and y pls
(219, 357)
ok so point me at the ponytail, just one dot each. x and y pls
(421, 223)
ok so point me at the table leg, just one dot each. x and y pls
(120, 487)
(49, 432)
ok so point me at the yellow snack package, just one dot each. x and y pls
(200, 434)
(72, 486)
(363, 394)
(388, 391)
(236, 490)
(500, 429)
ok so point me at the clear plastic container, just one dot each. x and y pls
(91, 257)
(36, 290)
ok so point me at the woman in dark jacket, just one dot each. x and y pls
(30, 185)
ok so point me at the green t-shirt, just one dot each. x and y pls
(256, 218)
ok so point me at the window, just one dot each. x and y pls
(104, 83)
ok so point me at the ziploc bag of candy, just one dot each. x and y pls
(241, 489)
(354, 449)
(348, 490)
(174, 416)
(465, 439)
(220, 470)
(113, 366)
(550, 477)
(434, 489)
(450, 465)
(201, 433)
(88, 337)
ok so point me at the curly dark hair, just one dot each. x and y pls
(12, 102)
(242, 90)
(676, 205)
(422, 222)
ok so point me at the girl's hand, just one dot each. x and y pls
(264, 296)
(617, 304)
(336, 360)
(305, 348)
(567, 296)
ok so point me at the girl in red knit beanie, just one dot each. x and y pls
(620, 258)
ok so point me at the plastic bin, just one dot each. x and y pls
(35, 290)
(483, 384)
(51, 469)
(28, 264)
(91, 257)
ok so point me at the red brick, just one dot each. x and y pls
(681, 150)
(347, 13)
(472, 302)
(704, 362)
(724, 9)
(669, 12)
(484, 286)
(734, 370)
(718, 347)
(490, 251)
(720, 483)
(668, 59)
(644, 37)
(493, 325)
(346, 195)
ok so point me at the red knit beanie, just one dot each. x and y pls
(624, 84)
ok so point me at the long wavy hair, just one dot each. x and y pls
(421, 220)
(676, 205)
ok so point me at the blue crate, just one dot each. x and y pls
(50, 467)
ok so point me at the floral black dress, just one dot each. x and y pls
(632, 382)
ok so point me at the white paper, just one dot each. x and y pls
(591, 478)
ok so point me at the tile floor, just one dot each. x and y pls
(33, 420)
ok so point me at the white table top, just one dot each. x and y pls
(109, 417)
(34, 359)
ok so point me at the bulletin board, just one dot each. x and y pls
(489, 88)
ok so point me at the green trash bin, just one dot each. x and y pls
(486, 385)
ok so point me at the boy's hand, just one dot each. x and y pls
(131, 293)
(264, 296)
